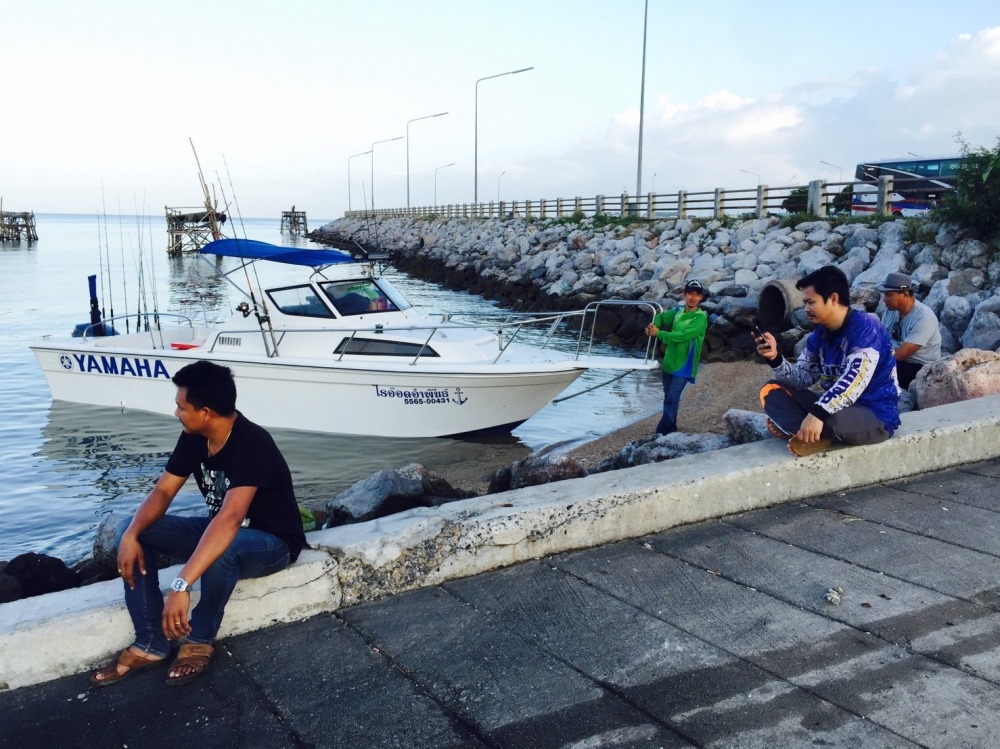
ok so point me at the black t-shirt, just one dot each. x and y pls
(249, 458)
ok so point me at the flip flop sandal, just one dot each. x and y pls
(802, 449)
(194, 656)
(127, 660)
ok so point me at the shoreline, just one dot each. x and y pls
(719, 387)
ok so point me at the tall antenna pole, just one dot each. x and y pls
(642, 101)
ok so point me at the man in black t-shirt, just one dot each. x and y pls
(252, 528)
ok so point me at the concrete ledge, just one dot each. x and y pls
(63, 633)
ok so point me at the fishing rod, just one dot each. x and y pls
(143, 307)
(210, 205)
(265, 318)
(107, 255)
(121, 245)
(152, 267)
(140, 274)
(100, 267)
(96, 325)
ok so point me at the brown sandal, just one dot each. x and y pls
(127, 660)
(190, 656)
(801, 449)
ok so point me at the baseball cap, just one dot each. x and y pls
(896, 282)
(695, 286)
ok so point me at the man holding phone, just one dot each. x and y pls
(850, 355)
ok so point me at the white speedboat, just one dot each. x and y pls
(343, 352)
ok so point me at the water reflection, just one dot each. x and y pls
(198, 290)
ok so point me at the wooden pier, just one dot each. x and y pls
(294, 222)
(190, 229)
(17, 226)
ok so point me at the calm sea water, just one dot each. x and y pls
(64, 466)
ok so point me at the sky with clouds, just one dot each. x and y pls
(281, 98)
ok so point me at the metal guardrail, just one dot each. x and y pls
(821, 199)
(86, 331)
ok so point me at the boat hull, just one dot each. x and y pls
(385, 401)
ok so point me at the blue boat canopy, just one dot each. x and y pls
(251, 249)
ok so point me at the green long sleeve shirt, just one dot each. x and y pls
(682, 335)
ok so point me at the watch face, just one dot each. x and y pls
(179, 584)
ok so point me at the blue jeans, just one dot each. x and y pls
(673, 386)
(253, 553)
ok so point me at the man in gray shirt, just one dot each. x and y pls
(916, 337)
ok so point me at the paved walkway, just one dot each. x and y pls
(719, 633)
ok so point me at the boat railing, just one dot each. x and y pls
(154, 328)
(593, 309)
(508, 327)
(522, 321)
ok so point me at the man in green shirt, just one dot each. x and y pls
(681, 330)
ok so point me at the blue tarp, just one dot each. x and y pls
(251, 249)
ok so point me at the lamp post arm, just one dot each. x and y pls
(387, 140)
(475, 162)
(415, 119)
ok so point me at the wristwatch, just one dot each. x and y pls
(180, 585)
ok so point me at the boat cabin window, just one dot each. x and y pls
(382, 347)
(300, 301)
(358, 297)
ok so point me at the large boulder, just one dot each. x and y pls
(536, 469)
(389, 491)
(983, 331)
(10, 588)
(40, 573)
(105, 552)
(966, 374)
(955, 314)
(745, 426)
(664, 447)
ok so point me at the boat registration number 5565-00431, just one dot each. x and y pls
(421, 396)
(134, 366)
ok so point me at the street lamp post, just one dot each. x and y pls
(387, 140)
(840, 172)
(475, 192)
(753, 173)
(642, 101)
(349, 176)
(443, 166)
(427, 117)
(498, 189)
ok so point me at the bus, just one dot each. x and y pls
(918, 184)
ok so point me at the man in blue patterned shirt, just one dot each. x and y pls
(849, 354)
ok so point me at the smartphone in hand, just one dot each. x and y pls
(756, 331)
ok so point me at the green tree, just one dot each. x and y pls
(842, 200)
(797, 200)
(975, 202)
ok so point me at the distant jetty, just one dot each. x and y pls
(17, 226)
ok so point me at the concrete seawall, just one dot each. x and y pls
(59, 634)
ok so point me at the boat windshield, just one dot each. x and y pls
(300, 301)
(358, 297)
(393, 293)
